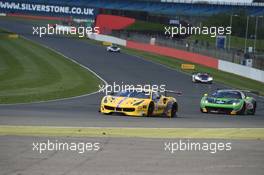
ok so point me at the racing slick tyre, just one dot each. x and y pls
(193, 80)
(174, 110)
(242, 111)
(150, 109)
(253, 111)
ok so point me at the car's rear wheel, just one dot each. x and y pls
(174, 110)
(150, 109)
(242, 111)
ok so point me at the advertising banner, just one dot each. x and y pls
(38, 8)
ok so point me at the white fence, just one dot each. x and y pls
(241, 70)
(106, 38)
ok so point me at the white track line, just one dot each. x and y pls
(105, 127)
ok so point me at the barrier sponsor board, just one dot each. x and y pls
(107, 43)
(187, 66)
(13, 36)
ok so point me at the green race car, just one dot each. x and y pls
(228, 102)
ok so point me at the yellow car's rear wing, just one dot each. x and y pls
(173, 92)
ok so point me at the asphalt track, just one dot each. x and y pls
(119, 68)
(123, 156)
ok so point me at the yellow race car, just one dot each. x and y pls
(139, 103)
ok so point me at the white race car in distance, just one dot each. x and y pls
(113, 48)
(202, 78)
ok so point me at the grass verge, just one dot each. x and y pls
(192, 133)
(146, 26)
(226, 78)
(30, 73)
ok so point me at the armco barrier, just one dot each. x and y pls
(243, 71)
(179, 54)
(106, 38)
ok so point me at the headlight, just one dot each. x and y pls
(205, 100)
(138, 103)
(235, 102)
(105, 100)
(210, 78)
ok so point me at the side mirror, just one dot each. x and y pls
(205, 95)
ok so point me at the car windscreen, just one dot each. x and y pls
(203, 76)
(133, 94)
(227, 94)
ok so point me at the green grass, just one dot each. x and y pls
(236, 42)
(192, 133)
(219, 76)
(30, 73)
(146, 26)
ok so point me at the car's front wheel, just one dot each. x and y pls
(174, 110)
(150, 109)
(253, 111)
(193, 80)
